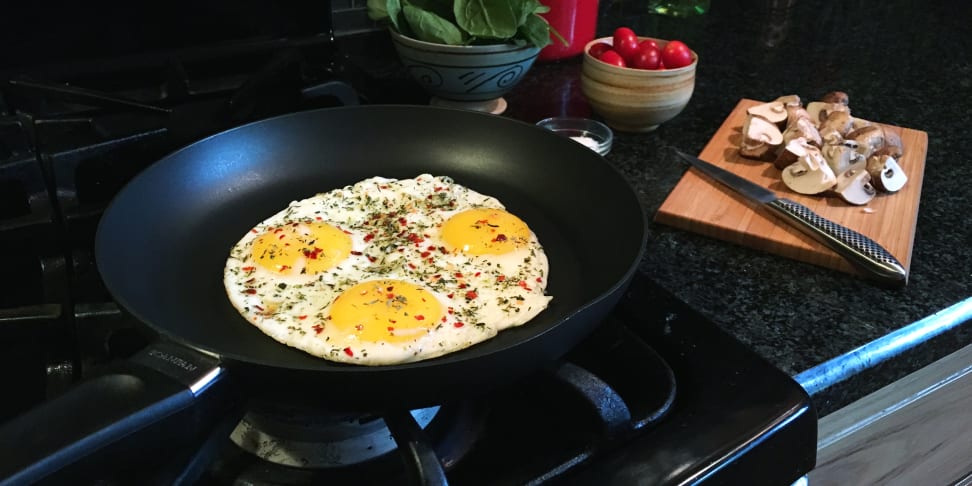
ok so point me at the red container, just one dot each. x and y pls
(575, 20)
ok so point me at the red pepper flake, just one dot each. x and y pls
(457, 324)
(471, 294)
(424, 254)
(284, 268)
(390, 288)
(431, 260)
(449, 295)
(391, 329)
(251, 280)
(431, 248)
(281, 237)
(318, 218)
(462, 286)
(522, 283)
(437, 188)
(250, 291)
(359, 327)
(414, 238)
(368, 237)
(411, 265)
(258, 308)
(389, 295)
(277, 230)
(443, 318)
(402, 221)
(347, 232)
(317, 328)
(302, 317)
(539, 279)
(476, 274)
(254, 230)
(458, 275)
(348, 351)
(295, 224)
(248, 269)
(371, 259)
(500, 237)
(356, 253)
(443, 250)
(419, 317)
(500, 278)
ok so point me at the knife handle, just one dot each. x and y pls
(858, 249)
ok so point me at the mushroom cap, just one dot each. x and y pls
(810, 174)
(761, 138)
(854, 186)
(774, 111)
(885, 173)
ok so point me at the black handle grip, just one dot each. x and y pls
(106, 423)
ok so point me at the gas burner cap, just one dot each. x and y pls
(304, 439)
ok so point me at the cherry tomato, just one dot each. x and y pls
(597, 49)
(649, 42)
(676, 54)
(627, 48)
(622, 34)
(612, 57)
(647, 57)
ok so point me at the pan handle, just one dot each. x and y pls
(141, 407)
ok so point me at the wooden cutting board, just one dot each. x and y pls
(703, 206)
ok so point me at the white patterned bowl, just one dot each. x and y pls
(475, 75)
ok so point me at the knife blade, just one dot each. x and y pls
(864, 253)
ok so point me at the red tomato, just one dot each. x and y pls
(622, 34)
(597, 49)
(649, 42)
(676, 54)
(627, 48)
(647, 57)
(612, 57)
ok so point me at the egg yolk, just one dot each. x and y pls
(485, 231)
(385, 310)
(306, 248)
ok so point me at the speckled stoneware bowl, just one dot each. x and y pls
(636, 100)
(472, 77)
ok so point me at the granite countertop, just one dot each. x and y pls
(902, 63)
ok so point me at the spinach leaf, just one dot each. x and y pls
(489, 19)
(535, 30)
(525, 8)
(430, 27)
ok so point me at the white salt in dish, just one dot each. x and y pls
(590, 133)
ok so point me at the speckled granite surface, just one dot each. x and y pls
(904, 63)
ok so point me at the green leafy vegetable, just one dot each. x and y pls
(463, 22)
(430, 27)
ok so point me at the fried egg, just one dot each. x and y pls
(388, 271)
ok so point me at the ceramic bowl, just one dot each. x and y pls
(636, 100)
(474, 77)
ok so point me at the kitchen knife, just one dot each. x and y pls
(864, 253)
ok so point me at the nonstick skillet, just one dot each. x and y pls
(163, 241)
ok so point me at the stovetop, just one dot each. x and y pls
(657, 395)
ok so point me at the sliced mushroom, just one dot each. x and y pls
(761, 138)
(820, 110)
(839, 121)
(810, 174)
(841, 157)
(795, 114)
(774, 111)
(854, 186)
(885, 173)
(836, 97)
(790, 100)
(802, 127)
(793, 150)
(869, 139)
(893, 140)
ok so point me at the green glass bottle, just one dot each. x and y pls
(678, 8)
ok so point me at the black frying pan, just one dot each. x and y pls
(162, 244)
